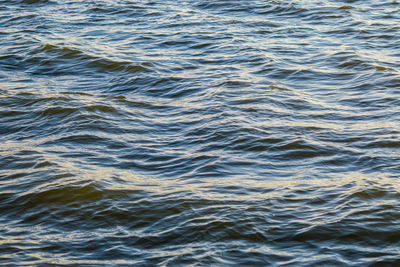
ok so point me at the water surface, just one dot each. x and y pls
(192, 132)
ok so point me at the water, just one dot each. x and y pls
(175, 133)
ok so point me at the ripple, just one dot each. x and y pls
(197, 132)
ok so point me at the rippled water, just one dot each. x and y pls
(200, 132)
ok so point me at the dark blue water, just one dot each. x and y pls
(201, 133)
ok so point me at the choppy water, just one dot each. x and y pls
(200, 132)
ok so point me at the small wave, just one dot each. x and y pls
(57, 60)
(36, 1)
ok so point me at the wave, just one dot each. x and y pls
(193, 132)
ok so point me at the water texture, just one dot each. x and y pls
(176, 133)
